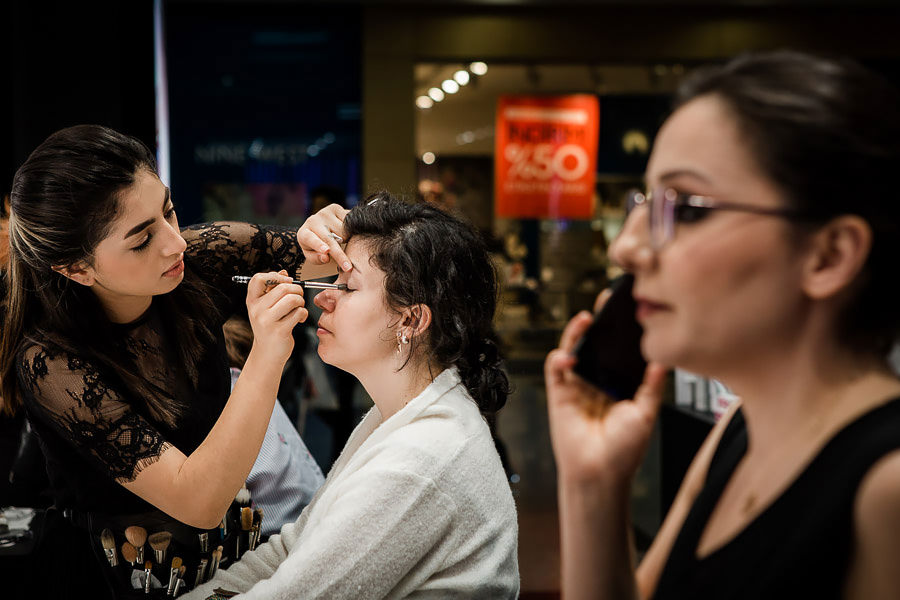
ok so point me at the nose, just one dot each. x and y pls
(175, 243)
(632, 249)
(325, 300)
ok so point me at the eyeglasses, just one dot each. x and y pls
(669, 207)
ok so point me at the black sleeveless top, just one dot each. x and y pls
(798, 547)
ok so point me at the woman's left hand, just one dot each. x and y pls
(320, 237)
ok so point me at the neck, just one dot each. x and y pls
(391, 389)
(803, 389)
(123, 310)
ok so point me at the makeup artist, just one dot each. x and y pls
(113, 347)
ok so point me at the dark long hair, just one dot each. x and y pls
(64, 201)
(432, 258)
(827, 133)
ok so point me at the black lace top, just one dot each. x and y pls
(94, 433)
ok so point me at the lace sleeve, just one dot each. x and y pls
(219, 250)
(71, 396)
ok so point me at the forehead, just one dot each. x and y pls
(359, 251)
(702, 136)
(139, 201)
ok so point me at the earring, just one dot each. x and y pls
(401, 339)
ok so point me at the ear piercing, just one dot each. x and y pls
(401, 339)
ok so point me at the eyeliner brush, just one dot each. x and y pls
(307, 285)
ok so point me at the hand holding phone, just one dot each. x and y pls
(609, 354)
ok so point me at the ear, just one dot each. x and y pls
(416, 319)
(79, 272)
(838, 253)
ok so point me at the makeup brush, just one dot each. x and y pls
(204, 541)
(137, 536)
(173, 573)
(243, 496)
(246, 524)
(179, 581)
(147, 572)
(223, 528)
(109, 546)
(214, 565)
(159, 541)
(201, 570)
(257, 527)
(129, 553)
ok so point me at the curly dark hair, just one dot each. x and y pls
(430, 257)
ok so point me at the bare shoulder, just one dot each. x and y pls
(876, 518)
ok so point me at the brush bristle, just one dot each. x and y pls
(129, 552)
(107, 539)
(136, 535)
(160, 540)
(148, 565)
(176, 563)
(246, 518)
(243, 496)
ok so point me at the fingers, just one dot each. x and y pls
(258, 287)
(289, 308)
(574, 331)
(556, 365)
(649, 394)
(321, 236)
(602, 297)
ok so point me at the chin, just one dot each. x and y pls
(660, 350)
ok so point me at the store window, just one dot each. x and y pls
(264, 114)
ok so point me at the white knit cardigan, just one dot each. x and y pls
(416, 506)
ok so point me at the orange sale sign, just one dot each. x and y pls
(545, 157)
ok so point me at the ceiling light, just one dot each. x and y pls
(424, 102)
(436, 94)
(428, 158)
(479, 68)
(450, 86)
(461, 77)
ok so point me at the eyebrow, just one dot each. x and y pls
(684, 173)
(145, 224)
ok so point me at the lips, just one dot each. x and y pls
(647, 307)
(175, 269)
(320, 329)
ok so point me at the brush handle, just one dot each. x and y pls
(173, 575)
(111, 556)
(200, 572)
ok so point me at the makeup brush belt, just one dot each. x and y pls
(194, 547)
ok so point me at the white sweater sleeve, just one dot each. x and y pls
(380, 525)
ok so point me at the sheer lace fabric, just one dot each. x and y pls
(94, 431)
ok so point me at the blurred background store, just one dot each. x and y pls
(261, 111)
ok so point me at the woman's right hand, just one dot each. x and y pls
(274, 311)
(596, 439)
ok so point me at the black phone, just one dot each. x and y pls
(609, 354)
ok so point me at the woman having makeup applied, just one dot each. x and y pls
(417, 504)
(113, 347)
(765, 256)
